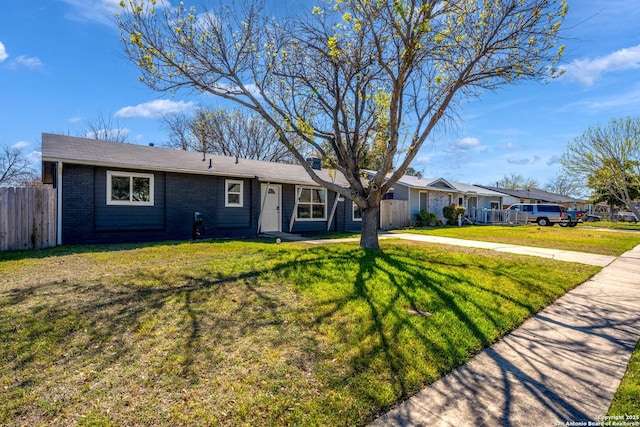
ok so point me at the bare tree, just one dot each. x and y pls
(228, 133)
(104, 129)
(566, 186)
(177, 126)
(14, 167)
(515, 181)
(347, 75)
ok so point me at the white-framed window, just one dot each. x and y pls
(233, 193)
(312, 203)
(356, 212)
(129, 188)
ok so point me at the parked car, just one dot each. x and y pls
(592, 218)
(573, 218)
(543, 213)
(626, 217)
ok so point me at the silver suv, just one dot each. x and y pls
(544, 214)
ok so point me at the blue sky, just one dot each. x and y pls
(62, 65)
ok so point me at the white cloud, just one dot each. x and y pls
(509, 146)
(75, 119)
(466, 143)
(463, 145)
(553, 160)
(100, 11)
(587, 71)
(30, 62)
(524, 161)
(3, 52)
(20, 145)
(35, 157)
(619, 102)
(424, 160)
(153, 109)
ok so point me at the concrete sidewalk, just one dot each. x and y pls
(562, 365)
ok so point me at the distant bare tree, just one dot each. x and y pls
(104, 129)
(515, 181)
(565, 185)
(14, 167)
(226, 132)
(177, 127)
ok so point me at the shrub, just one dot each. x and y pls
(459, 210)
(426, 219)
(451, 213)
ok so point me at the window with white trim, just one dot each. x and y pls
(356, 212)
(312, 203)
(129, 188)
(233, 195)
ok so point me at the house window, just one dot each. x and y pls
(357, 212)
(127, 188)
(495, 206)
(233, 193)
(312, 203)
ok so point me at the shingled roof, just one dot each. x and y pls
(93, 152)
(440, 184)
(534, 193)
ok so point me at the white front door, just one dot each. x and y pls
(271, 212)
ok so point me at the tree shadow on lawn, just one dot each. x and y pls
(347, 332)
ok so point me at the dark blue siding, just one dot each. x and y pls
(128, 218)
(88, 219)
(77, 208)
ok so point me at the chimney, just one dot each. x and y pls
(315, 163)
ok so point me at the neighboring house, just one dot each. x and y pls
(534, 195)
(432, 195)
(111, 192)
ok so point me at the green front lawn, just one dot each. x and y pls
(242, 333)
(627, 398)
(581, 239)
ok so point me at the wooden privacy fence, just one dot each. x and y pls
(394, 214)
(27, 218)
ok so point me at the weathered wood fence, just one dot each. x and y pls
(27, 218)
(394, 214)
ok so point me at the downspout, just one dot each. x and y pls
(295, 208)
(59, 201)
(333, 211)
(264, 198)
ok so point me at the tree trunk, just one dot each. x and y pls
(369, 232)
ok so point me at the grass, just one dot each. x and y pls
(627, 398)
(618, 225)
(250, 333)
(581, 239)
